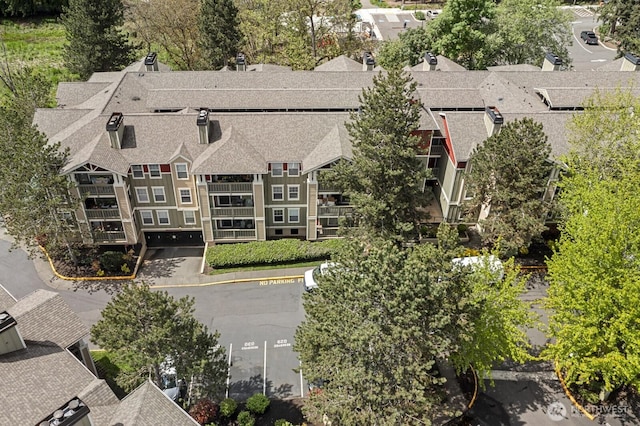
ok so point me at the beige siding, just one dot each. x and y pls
(130, 232)
(258, 205)
(312, 208)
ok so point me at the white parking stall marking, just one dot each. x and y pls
(301, 382)
(391, 18)
(229, 370)
(249, 346)
(264, 375)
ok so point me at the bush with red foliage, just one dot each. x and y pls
(204, 411)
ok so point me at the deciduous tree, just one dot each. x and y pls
(384, 179)
(508, 177)
(383, 315)
(219, 31)
(621, 20)
(145, 329)
(95, 38)
(408, 49)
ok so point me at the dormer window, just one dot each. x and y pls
(181, 171)
(137, 171)
(154, 170)
(293, 169)
(276, 169)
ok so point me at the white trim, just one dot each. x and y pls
(289, 198)
(146, 194)
(186, 169)
(133, 173)
(273, 212)
(164, 195)
(289, 215)
(142, 217)
(159, 171)
(273, 193)
(158, 212)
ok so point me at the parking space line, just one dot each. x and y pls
(301, 382)
(264, 374)
(229, 370)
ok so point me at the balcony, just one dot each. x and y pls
(232, 212)
(436, 150)
(328, 232)
(98, 189)
(231, 187)
(334, 211)
(102, 213)
(325, 187)
(234, 234)
(109, 236)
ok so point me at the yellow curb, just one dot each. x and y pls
(475, 390)
(236, 281)
(62, 277)
(571, 398)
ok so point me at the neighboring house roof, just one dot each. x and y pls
(341, 63)
(149, 406)
(517, 67)
(444, 64)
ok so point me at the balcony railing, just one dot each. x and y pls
(238, 212)
(334, 211)
(436, 150)
(98, 189)
(109, 236)
(327, 232)
(325, 187)
(234, 234)
(235, 187)
(103, 213)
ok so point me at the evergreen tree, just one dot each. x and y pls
(95, 40)
(219, 31)
(508, 177)
(146, 329)
(384, 179)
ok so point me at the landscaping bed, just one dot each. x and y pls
(95, 261)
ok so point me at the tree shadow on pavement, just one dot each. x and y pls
(288, 409)
(108, 286)
(519, 397)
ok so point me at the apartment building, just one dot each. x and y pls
(186, 158)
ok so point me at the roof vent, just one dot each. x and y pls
(116, 129)
(241, 62)
(203, 125)
(75, 412)
(10, 339)
(368, 63)
(552, 62)
(429, 62)
(151, 62)
(630, 62)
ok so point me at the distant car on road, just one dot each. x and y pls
(433, 13)
(589, 37)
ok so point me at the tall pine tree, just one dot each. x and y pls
(219, 31)
(95, 38)
(385, 178)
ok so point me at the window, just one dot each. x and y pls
(277, 192)
(142, 195)
(294, 231)
(276, 169)
(222, 201)
(278, 215)
(147, 217)
(185, 196)
(332, 221)
(278, 231)
(181, 171)
(293, 169)
(137, 171)
(154, 170)
(189, 217)
(294, 215)
(158, 194)
(163, 217)
(294, 192)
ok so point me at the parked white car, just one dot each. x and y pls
(311, 276)
(474, 262)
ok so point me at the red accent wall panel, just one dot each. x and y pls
(165, 168)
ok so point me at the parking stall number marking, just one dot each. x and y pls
(249, 345)
(282, 343)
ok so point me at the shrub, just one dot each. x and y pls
(111, 261)
(245, 418)
(282, 422)
(204, 411)
(270, 252)
(462, 228)
(419, 15)
(228, 407)
(258, 403)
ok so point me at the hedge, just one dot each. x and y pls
(270, 252)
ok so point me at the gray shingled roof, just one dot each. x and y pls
(334, 146)
(466, 130)
(75, 93)
(232, 154)
(149, 406)
(341, 63)
(517, 67)
(44, 316)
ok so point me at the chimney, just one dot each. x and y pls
(493, 120)
(630, 62)
(73, 413)
(151, 62)
(116, 130)
(551, 62)
(10, 339)
(429, 62)
(241, 62)
(203, 125)
(368, 62)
